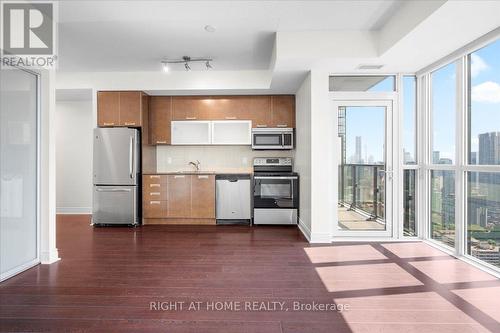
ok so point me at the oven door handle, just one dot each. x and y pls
(275, 177)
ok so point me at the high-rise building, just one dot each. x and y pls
(473, 157)
(435, 157)
(489, 154)
(489, 148)
(358, 150)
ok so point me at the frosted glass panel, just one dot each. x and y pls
(231, 132)
(191, 132)
(18, 165)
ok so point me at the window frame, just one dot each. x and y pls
(462, 138)
(403, 166)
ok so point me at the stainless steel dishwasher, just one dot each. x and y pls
(233, 199)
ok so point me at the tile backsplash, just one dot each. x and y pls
(177, 158)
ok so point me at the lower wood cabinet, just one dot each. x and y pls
(154, 196)
(178, 199)
(203, 196)
(179, 196)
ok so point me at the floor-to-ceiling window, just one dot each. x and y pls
(483, 154)
(18, 171)
(443, 93)
(463, 153)
(409, 143)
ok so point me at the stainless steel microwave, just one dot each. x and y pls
(272, 138)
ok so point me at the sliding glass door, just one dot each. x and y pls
(18, 171)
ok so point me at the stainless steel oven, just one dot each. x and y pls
(272, 138)
(275, 191)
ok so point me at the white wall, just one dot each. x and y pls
(212, 158)
(302, 156)
(323, 150)
(48, 249)
(74, 126)
(314, 158)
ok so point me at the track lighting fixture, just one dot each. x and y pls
(186, 61)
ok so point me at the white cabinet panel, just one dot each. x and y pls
(191, 132)
(237, 132)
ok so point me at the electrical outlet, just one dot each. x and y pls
(244, 161)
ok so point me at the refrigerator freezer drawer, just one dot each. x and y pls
(115, 205)
(274, 216)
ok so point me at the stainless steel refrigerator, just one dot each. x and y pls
(116, 176)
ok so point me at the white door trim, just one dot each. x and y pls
(389, 101)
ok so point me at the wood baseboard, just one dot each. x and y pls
(178, 221)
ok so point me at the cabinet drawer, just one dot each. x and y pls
(153, 179)
(154, 208)
(155, 194)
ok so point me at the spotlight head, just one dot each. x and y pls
(186, 66)
(208, 65)
(165, 67)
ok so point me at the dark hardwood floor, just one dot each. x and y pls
(109, 277)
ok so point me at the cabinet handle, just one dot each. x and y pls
(282, 125)
(154, 193)
(154, 185)
(129, 124)
(190, 118)
(179, 176)
(154, 202)
(156, 176)
(259, 125)
(202, 177)
(161, 142)
(108, 124)
(230, 118)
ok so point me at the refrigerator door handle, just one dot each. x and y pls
(113, 190)
(131, 157)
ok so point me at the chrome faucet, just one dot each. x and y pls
(196, 165)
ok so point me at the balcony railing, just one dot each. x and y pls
(362, 187)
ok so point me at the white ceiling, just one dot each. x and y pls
(136, 35)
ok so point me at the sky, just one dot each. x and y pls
(369, 122)
(485, 99)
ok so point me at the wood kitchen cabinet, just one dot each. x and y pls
(108, 108)
(178, 199)
(160, 118)
(179, 196)
(190, 107)
(283, 111)
(203, 196)
(262, 110)
(154, 196)
(119, 108)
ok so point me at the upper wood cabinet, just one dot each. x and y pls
(108, 108)
(119, 108)
(203, 196)
(283, 111)
(263, 110)
(190, 107)
(160, 118)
